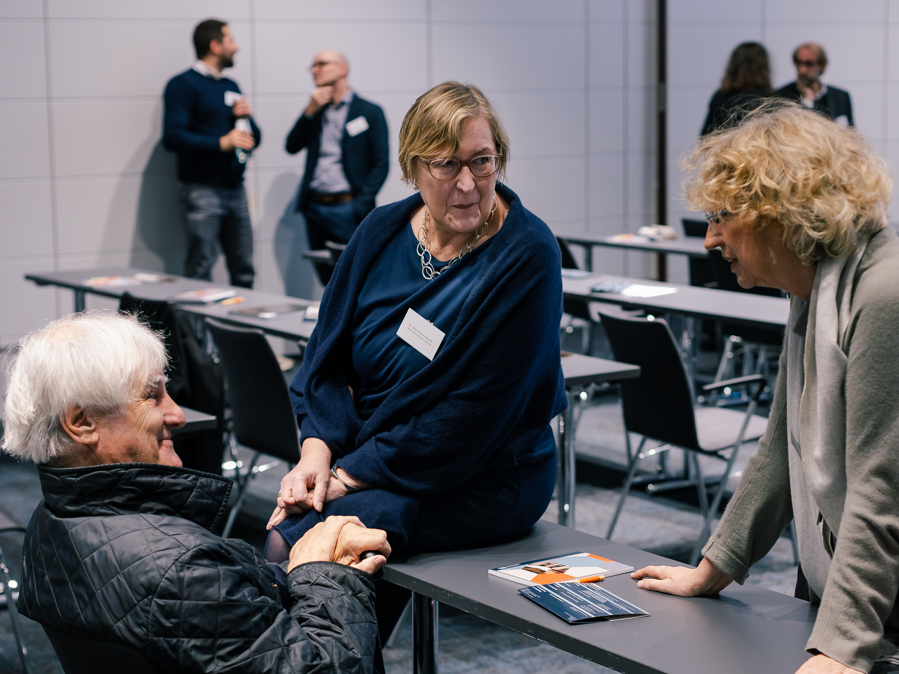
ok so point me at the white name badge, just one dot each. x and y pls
(357, 126)
(420, 334)
(231, 97)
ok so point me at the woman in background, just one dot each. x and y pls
(747, 81)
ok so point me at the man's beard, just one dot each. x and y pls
(226, 62)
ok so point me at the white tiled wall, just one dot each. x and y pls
(86, 182)
(860, 38)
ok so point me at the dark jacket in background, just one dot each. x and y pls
(365, 156)
(728, 109)
(127, 553)
(835, 103)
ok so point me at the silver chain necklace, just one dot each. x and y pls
(424, 252)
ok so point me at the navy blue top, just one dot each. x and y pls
(195, 117)
(395, 284)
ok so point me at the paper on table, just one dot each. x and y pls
(638, 290)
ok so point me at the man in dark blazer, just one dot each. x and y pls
(348, 156)
(811, 60)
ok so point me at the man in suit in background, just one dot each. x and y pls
(347, 158)
(811, 60)
(208, 125)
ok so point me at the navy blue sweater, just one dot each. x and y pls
(196, 116)
(483, 404)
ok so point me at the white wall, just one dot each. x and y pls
(86, 182)
(856, 35)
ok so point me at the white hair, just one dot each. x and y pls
(97, 361)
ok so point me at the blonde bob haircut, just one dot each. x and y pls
(433, 126)
(788, 164)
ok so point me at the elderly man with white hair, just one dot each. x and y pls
(123, 547)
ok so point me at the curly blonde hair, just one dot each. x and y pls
(434, 125)
(788, 164)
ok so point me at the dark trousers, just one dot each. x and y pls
(328, 222)
(215, 216)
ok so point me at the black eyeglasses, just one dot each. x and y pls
(446, 169)
(715, 219)
(807, 64)
(320, 64)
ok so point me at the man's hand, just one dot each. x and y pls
(821, 664)
(235, 138)
(242, 108)
(704, 580)
(341, 540)
(319, 99)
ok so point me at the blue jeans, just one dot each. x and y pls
(328, 222)
(217, 216)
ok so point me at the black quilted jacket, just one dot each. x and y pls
(127, 553)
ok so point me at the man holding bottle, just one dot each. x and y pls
(208, 124)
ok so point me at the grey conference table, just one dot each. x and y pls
(289, 326)
(580, 372)
(745, 308)
(691, 246)
(744, 630)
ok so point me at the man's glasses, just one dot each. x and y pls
(320, 64)
(807, 64)
(715, 219)
(446, 169)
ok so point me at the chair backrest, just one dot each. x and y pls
(568, 261)
(83, 655)
(195, 379)
(260, 404)
(659, 403)
(572, 306)
(700, 268)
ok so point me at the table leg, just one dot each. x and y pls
(424, 634)
(566, 477)
(79, 301)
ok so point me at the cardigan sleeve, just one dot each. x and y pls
(761, 507)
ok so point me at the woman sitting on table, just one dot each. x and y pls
(428, 386)
(797, 202)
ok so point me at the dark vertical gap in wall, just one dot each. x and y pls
(254, 195)
(51, 150)
(429, 51)
(625, 128)
(588, 144)
(661, 98)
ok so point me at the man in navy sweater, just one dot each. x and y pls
(208, 125)
(348, 155)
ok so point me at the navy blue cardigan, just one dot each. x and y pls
(488, 396)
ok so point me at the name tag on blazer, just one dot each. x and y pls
(420, 334)
(356, 126)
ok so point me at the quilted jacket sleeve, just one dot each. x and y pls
(213, 613)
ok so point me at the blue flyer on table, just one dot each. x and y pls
(577, 603)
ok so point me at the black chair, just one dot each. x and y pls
(262, 417)
(659, 405)
(83, 655)
(195, 378)
(325, 259)
(700, 268)
(6, 524)
(576, 309)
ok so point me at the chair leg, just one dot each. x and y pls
(244, 489)
(701, 492)
(13, 614)
(631, 472)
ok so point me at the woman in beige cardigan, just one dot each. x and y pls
(799, 203)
